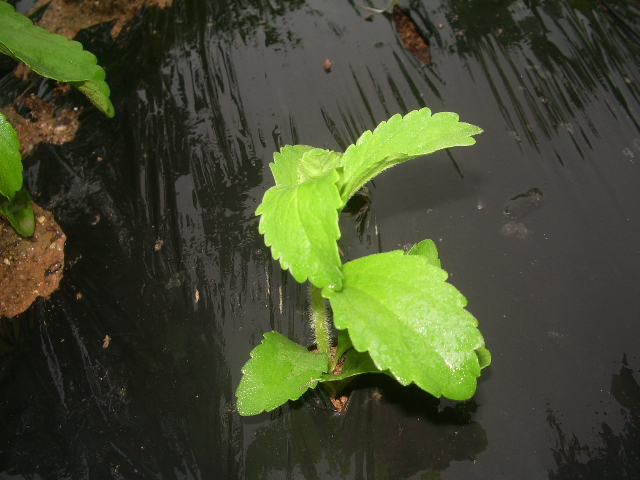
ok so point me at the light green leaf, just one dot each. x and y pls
(428, 249)
(300, 224)
(286, 164)
(10, 159)
(279, 370)
(399, 139)
(298, 163)
(53, 56)
(399, 309)
(19, 212)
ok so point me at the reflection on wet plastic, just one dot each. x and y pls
(574, 457)
(417, 434)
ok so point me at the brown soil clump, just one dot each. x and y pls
(44, 126)
(411, 36)
(29, 267)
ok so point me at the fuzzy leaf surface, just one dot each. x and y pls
(53, 56)
(399, 309)
(279, 370)
(10, 159)
(300, 224)
(399, 139)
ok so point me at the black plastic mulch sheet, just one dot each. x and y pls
(538, 225)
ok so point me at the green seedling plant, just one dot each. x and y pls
(393, 312)
(53, 56)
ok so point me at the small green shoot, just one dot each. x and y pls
(394, 312)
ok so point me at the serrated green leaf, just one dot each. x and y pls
(286, 163)
(399, 139)
(399, 309)
(53, 56)
(279, 370)
(10, 159)
(19, 212)
(300, 224)
(426, 248)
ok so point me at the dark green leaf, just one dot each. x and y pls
(428, 249)
(53, 56)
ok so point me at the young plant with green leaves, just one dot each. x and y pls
(53, 56)
(394, 312)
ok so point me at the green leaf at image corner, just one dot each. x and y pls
(399, 139)
(10, 159)
(300, 224)
(53, 56)
(399, 309)
(279, 370)
(19, 212)
(426, 248)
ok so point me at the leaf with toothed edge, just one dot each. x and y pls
(300, 224)
(399, 139)
(398, 308)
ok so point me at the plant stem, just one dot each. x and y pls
(320, 320)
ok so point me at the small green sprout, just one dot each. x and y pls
(394, 312)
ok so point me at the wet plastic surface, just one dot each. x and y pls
(538, 224)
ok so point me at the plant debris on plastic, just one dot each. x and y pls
(129, 368)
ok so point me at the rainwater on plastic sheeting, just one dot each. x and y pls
(538, 225)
